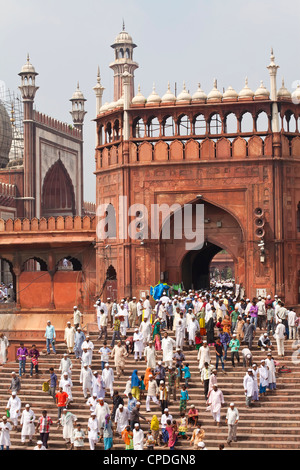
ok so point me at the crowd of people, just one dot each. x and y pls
(213, 323)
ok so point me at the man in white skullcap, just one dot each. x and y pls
(138, 437)
(122, 418)
(108, 378)
(65, 365)
(87, 348)
(248, 384)
(203, 355)
(86, 380)
(27, 422)
(69, 337)
(138, 340)
(150, 355)
(39, 446)
(280, 337)
(151, 393)
(93, 430)
(5, 428)
(77, 317)
(14, 408)
(232, 419)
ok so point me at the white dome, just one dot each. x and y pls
(78, 95)
(283, 92)
(112, 106)
(139, 98)
(184, 95)
(262, 92)
(246, 92)
(123, 37)
(215, 94)
(296, 93)
(154, 97)
(28, 68)
(168, 97)
(104, 108)
(230, 94)
(199, 95)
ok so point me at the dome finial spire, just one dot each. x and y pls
(123, 24)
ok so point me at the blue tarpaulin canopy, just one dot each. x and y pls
(157, 291)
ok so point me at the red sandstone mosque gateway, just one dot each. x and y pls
(236, 153)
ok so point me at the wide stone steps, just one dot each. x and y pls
(273, 423)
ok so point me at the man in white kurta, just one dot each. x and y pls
(93, 430)
(215, 401)
(27, 422)
(150, 355)
(203, 355)
(263, 377)
(192, 329)
(167, 345)
(180, 333)
(138, 341)
(102, 409)
(67, 421)
(87, 346)
(65, 366)
(248, 384)
(122, 418)
(5, 428)
(92, 402)
(86, 379)
(108, 379)
(280, 337)
(69, 337)
(14, 407)
(138, 437)
(271, 372)
(147, 308)
(66, 384)
(4, 343)
(146, 330)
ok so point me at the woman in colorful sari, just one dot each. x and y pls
(146, 378)
(156, 336)
(135, 382)
(154, 426)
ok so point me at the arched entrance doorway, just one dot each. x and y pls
(196, 267)
(222, 231)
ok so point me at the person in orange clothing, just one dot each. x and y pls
(146, 379)
(127, 436)
(226, 324)
(61, 401)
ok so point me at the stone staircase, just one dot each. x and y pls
(273, 423)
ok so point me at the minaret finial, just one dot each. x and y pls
(123, 24)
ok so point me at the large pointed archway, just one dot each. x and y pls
(222, 231)
(58, 198)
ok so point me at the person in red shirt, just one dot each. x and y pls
(61, 401)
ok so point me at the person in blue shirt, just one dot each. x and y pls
(186, 374)
(50, 336)
(184, 397)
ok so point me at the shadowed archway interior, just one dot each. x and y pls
(196, 266)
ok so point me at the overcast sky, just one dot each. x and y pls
(195, 41)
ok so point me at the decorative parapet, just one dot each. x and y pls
(52, 224)
(56, 125)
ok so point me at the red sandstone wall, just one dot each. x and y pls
(68, 289)
(35, 289)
